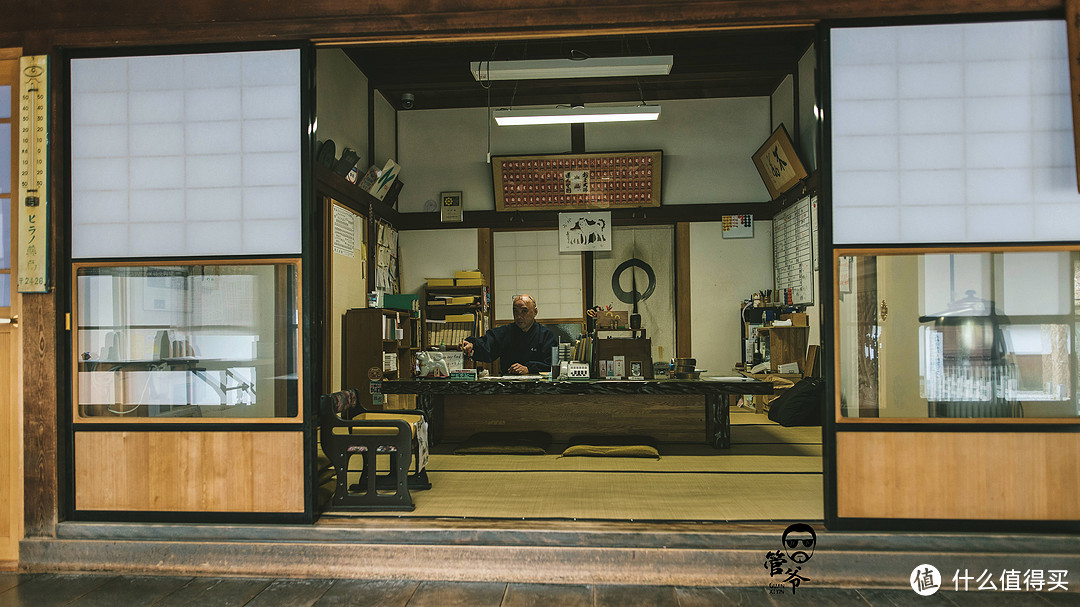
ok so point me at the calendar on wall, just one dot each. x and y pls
(794, 233)
(738, 226)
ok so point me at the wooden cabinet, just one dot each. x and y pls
(377, 343)
(784, 345)
(451, 314)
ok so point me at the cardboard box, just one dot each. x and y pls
(468, 282)
(468, 274)
(440, 282)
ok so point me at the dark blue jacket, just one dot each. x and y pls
(509, 345)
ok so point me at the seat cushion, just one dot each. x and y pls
(412, 420)
(531, 442)
(602, 445)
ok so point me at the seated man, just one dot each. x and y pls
(523, 348)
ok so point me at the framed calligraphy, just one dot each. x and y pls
(577, 181)
(778, 164)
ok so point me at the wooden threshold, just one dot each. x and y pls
(527, 552)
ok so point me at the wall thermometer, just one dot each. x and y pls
(33, 176)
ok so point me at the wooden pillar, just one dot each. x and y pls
(682, 290)
(486, 264)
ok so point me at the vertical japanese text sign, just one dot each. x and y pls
(33, 179)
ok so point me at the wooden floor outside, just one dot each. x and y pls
(51, 590)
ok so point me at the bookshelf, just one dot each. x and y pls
(380, 342)
(452, 313)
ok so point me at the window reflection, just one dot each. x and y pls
(966, 335)
(210, 340)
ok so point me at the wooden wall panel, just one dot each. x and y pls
(189, 471)
(961, 475)
(665, 418)
(39, 393)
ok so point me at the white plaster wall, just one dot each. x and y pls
(446, 150)
(809, 131)
(782, 102)
(723, 272)
(341, 104)
(433, 254)
(707, 146)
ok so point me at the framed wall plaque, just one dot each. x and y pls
(450, 207)
(778, 164)
(577, 181)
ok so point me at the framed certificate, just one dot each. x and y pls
(450, 206)
(557, 182)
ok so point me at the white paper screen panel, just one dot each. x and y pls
(186, 155)
(952, 133)
(530, 262)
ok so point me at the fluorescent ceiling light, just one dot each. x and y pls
(572, 115)
(546, 69)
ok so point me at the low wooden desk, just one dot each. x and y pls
(430, 394)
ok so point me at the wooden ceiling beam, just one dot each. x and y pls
(130, 22)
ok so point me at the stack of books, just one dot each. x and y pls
(452, 329)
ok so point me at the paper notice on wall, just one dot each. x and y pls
(343, 227)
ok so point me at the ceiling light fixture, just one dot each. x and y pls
(574, 115)
(591, 67)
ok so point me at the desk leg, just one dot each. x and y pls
(432, 405)
(717, 421)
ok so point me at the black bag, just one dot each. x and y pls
(800, 405)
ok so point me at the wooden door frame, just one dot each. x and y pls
(11, 449)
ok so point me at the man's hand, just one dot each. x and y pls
(518, 369)
(466, 347)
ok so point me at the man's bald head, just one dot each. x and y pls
(524, 311)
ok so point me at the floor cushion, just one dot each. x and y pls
(602, 445)
(530, 442)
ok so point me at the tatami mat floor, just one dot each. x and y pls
(770, 473)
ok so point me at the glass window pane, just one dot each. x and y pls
(164, 138)
(530, 262)
(5, 158)
(5, 102)
(5, 229)
(5, 290)
(187, 341)
(955, 132)
(959, 335)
